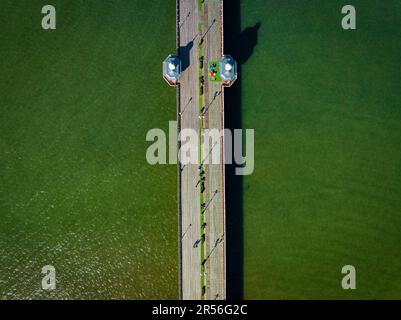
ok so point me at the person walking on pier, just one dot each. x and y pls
(196, 244)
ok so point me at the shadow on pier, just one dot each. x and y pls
(184, 55)
(240, 44)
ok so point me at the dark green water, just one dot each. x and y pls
(326, 107)
(77, 193)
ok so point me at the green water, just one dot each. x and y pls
(76, 191)
(326, 190)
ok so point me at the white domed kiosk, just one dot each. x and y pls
(228, 70)
(172, 69)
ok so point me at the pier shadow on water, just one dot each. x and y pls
(239, 44)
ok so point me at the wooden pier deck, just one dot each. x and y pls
(202, 266)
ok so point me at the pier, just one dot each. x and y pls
(201, 189)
